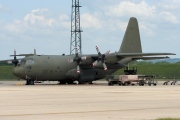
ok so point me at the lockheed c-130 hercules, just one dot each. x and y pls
(83, 68)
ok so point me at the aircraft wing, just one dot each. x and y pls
(26, 55)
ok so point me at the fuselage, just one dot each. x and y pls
(57, 68)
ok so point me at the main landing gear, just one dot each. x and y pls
(66, 82)
(29, 82)
(70, 82)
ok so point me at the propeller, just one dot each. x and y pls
(34, 52)
(15, 61)
(77, 59)
(101, 57)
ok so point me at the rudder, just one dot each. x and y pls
(131, 42)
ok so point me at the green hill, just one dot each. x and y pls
(162, 70)
(6, 72)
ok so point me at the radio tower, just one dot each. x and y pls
(75, 28)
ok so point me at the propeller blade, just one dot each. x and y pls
(70, 60)
(15, 61)
(95, 63)
(76, 50)
(77, 59)
(34, 52)
(105, 67)
(83, 58)
(107, 52)
(101, 57)
(14, 54)
(78, 69)
(97, 49)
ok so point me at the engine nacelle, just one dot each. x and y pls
(88, 61)
(111, 59)
(72, 74)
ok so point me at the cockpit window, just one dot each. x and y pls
(29, 61)
(23, 61)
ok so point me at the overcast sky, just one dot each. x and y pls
(45, 25)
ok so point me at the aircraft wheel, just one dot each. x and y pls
(125, 84)
(172, 83)
(141, 83)
(62, 82)
(79, 82)
(110, 83)
(165, 83)
(90, 82)
(149, 83)
(70, 82)
(27, 82)
(30, 82)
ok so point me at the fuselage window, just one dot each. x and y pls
(30, 61)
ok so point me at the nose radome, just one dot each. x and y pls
(18, 71)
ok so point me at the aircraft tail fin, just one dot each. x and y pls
(131, 42)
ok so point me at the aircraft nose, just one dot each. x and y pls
(18, 71)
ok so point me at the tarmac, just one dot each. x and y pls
(49, 101)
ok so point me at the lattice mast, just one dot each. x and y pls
(75, 28)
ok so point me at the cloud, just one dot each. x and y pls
(37, 16)
(128, 8)
(38, 21)
(4, 9)
(14, 27)
(36, 27)
(103, 24)
(65, 21)
(91, 21)
(169, 17)
(170, 4)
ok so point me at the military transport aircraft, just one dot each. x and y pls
(83, 68)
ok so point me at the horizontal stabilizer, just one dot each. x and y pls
(124, 55)
(148, 58)
(8, 61)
